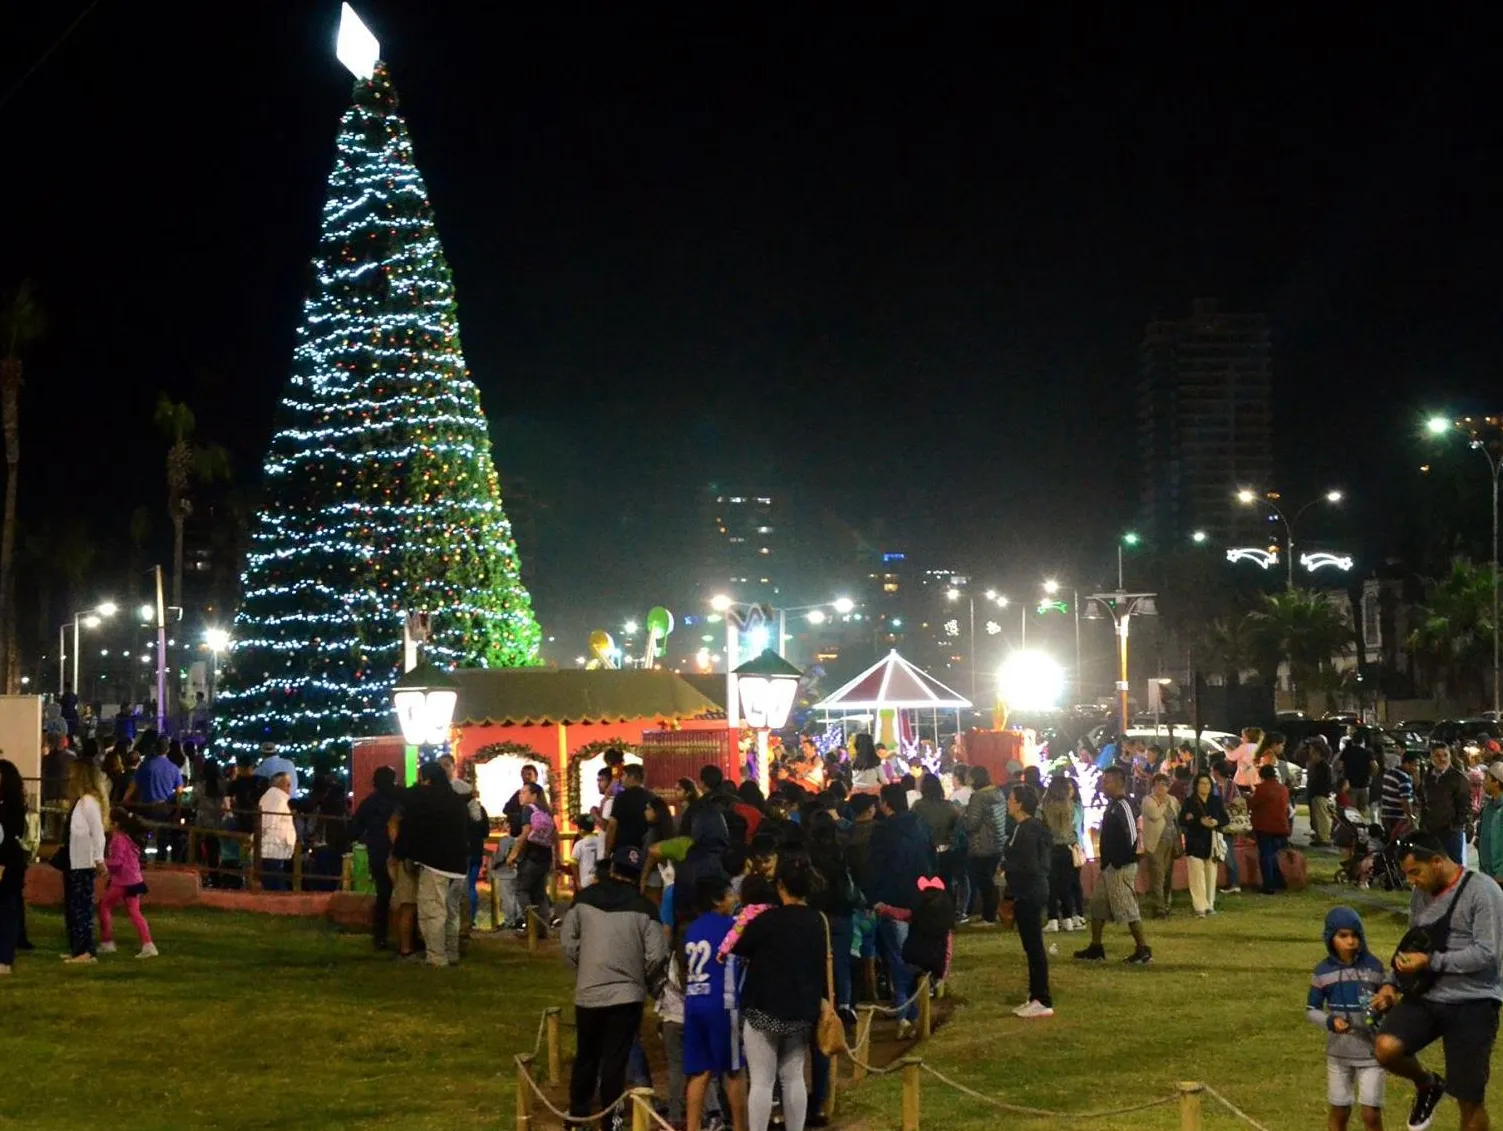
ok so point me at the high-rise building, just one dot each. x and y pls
(744, 555)
(1205, 421)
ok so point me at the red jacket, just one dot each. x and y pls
(1269, 808)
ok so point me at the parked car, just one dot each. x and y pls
(1421, 727)
(1458, 730)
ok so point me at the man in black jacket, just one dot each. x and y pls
(1446, 802)
(432, 830)
(1114, 896)
(1027, 865)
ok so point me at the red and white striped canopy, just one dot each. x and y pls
(893, 682)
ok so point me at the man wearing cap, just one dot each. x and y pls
(1490, 824)
(612, 939)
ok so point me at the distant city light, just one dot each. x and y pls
(1199, 537)
(1334, 496)
(897, 622)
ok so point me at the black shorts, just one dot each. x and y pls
(1466, 1031)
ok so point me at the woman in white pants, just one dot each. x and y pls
(1201, 817)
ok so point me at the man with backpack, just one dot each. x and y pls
(1446, 969)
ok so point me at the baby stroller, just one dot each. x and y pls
(1367, 857)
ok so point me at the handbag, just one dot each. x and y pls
(60, 859)
(1077, 856)
(829, 1034)
(1218, 846)
(1238, 818)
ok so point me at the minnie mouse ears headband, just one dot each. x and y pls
(927, 883)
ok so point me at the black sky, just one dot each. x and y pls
(899, 268)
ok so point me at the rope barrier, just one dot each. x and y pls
(577, 1120)
(1040, 1113)
(1233, 1108)
(894, 1010)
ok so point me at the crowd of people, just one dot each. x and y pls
(753, 924)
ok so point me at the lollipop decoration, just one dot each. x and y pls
(659, 627)
(602, 650)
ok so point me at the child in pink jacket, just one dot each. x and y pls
(122, 856)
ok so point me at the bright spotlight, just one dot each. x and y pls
(148, 613)
(1199, 537)
(844, 604)
(1051, 587)
(1437, 425)
(1334, 496)
(1246, 496)
(218, 639)
(107, 608)
(91, 621)
(1030, 681)
(720, 602)
(816, 616)
(630, 628)
(952, 594)
(1130, 538)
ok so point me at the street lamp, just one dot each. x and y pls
(1128, 539)
(216, 640)
(766, 686)
(1492, 451)
(1121, 606)
(424, 700)
(954, 594)
(1270, 499)
(839, 604)
(89, 618)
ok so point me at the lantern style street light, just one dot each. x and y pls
(424, 700)
(766, 686)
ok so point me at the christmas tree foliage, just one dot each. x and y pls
(381, 497)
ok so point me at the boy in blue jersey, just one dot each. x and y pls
(712, 1022)
(1340, 990)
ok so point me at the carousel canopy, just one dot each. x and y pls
(893, 682)
(530, 696)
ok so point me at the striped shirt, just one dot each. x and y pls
(1398, 787)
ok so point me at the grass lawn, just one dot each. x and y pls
(249, 1022)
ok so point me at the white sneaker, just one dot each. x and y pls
(1034, 1010)
(105, 948)
(148, 951)
(1052, 925)
(1018, 1010)
(905, 1030)
(1077, 924)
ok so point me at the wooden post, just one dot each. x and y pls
(925, 1021)
(346, 872)
(495, 903)
(555, 1054)
(524, 1093)
(911, 1092)
(865, 1015)
(297, 866)
(193, 851)
(1189, 1106)
(641, 1108)
(255, 876)
(531, 917)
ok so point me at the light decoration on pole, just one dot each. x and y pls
(1273, 501)
(765, 686)
(1254, 554)
(381, 492)
(424, 700)
(1321, 560)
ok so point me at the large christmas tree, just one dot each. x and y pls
(381, 497)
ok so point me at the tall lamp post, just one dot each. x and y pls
(89, 618)
(1121, 607)
(817, 615)
(1052, 590)
(1270, 499)
(954, 594)
(766, 685)
(1492, 451)
(424, 699)
(216, 640)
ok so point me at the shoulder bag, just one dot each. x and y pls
(1426, 940)
(60, 859)
(829, 1034)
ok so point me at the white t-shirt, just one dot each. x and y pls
(961, 795)
(587, 851)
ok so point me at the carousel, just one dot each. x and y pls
(894, 699)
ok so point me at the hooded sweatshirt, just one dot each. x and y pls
(1339, 989)
(1490, 838)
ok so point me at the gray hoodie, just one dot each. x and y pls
(1468, 969)
(612, 937)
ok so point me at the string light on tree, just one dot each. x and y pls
(381, 494)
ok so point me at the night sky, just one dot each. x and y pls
(897, 271)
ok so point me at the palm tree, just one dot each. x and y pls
(1453, 642)
(187, 463)
(20, 324)
(1302, 627)
(1227, 646)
